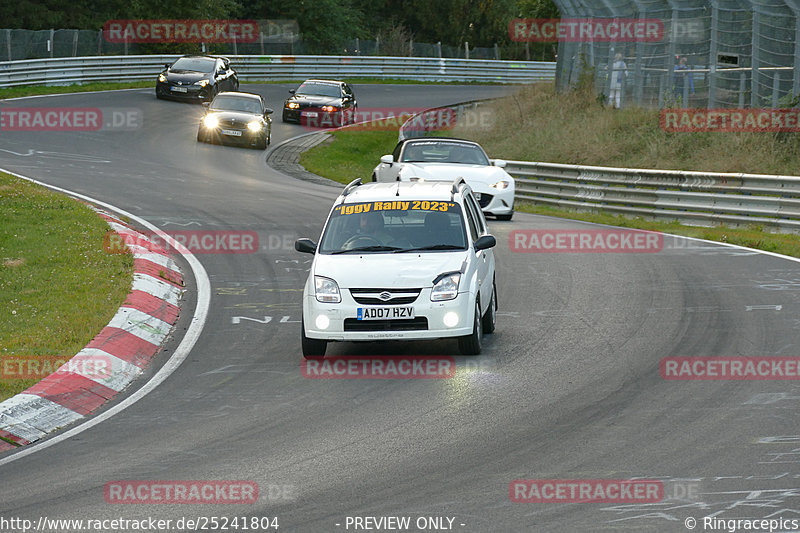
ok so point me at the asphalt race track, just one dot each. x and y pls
(567, 388)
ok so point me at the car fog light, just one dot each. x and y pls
(323, 322)
(450, 319)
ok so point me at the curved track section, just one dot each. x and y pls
(568, 387)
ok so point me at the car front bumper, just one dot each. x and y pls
(343, 324)
(193, 92)
(496, 201)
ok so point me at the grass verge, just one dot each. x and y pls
(58, 285)
(36, 90)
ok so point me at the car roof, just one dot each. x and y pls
(239, 94)
(435, 139)
(329, 82)
(401, 190)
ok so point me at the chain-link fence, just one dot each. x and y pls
(722, 53)
(29, 44)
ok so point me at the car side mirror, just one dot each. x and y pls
(387, 159)
(269, 111)
(206, 104)
(291, 91)
(307, 246)
(485, 242)
(167, 65)
(499, 163)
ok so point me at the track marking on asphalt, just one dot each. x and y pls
(191, 336)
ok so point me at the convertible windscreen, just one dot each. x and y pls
(394, 227)
(443, 152)
(193, 65)
(319, 89)
(236, 103)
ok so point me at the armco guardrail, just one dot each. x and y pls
(691, 197)
(61, 71)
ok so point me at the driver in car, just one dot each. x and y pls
(371, 225)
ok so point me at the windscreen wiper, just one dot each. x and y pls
(432, 247)
(373, 248)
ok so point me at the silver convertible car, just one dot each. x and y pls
(445, 159)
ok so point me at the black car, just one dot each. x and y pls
(197, 78)
(321, 103)
(236, 118)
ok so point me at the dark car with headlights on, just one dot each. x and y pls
(321, 104)
(197, 78)
(236, 118)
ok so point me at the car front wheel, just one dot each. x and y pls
(471, 344)
(490, 316)
(312, 348)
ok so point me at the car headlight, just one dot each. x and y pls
(330, 108)
(292, 105)
(210, 121)
(502, 185)
(326, 290)
(201, 83)
(445, 287)
(162, 78)
(254, 126)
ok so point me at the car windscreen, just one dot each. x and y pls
(194, 64)
(397, 226)
(443, 152)
(319, 89)
(236, 103)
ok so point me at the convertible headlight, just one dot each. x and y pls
(162, 78)
(502, 185)
(201, 83)
(254, 126)
(446, 287)
(326, 290)
(330, 108)
(292, 105)
(210, 121)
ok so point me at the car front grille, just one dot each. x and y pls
(410, 324)
(385, 296)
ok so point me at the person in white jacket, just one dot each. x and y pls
(619, 72)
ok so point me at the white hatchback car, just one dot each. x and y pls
(400, 261)
(441, 158)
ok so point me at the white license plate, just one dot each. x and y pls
(180, 89)
(385, 313)
(235, 133)
(311, 114)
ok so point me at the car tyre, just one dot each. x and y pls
(200, 137)
(312, 348)
(489, 318)
(505, 217)
(471, 344)
(262, 143)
